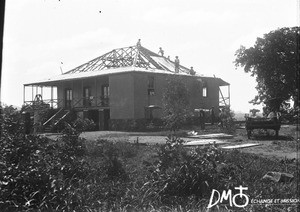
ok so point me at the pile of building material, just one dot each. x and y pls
(204, 142)
(212, 136)
(239, 146)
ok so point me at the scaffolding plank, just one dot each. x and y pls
(239, 146)
(209, 136)
(204, 142)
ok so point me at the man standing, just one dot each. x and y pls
(192, 72)
(176, 64)
(138, 44)
(202, 119)
(222, 117)
(161, 51)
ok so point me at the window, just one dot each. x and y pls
(204, 91)
(105, 91)
(105, 95)
(151, 86)
(86, 92)
(68, 98)
(86, 96)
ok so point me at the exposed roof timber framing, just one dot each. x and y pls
(133, 56)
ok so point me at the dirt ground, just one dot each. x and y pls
(284, 147)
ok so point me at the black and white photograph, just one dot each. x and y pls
(150, 106)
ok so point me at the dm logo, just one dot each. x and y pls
(227, 196)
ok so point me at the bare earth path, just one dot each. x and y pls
(151, 138)
(283, 147)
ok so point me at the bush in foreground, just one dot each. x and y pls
(70, 174)
(41, 174)
(186, 176)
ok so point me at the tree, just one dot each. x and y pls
(175, 103)
(273, 61)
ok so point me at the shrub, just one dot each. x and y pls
(11, 120)
(24, 175)
(37, 173)
(112, 164)
(82, 125)
(182, 176)
(184, 173)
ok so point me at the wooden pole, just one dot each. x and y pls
(229, 95)
(83, 101)
(32, 92)
(51, 96)
(96, 97)
(23, 94)
(72, 92)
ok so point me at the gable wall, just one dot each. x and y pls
(142, 99)
(121, 96)
(140, 94)
(212, 99)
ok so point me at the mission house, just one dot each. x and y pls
(119, 89)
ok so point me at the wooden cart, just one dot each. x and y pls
(262, 123)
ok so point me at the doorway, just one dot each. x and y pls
(86, 97)
(94, 115)
(104, 119)
(68, 98)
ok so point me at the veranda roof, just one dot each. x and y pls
(83, 75)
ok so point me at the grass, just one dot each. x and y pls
(247, 169)
(243, 168)
(111, 174)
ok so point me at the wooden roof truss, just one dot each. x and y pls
(133, 56)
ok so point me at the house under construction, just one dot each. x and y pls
(119, 89)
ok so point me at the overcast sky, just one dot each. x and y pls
(40, 34)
